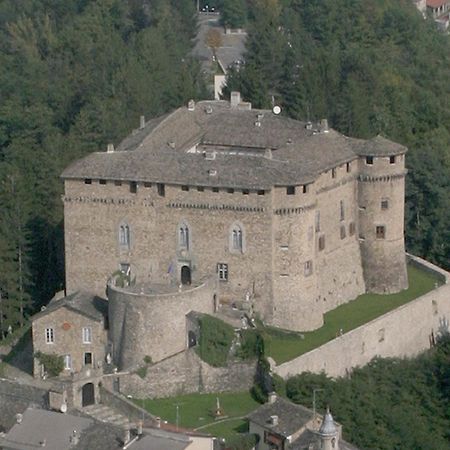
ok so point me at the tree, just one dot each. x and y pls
(234, 14)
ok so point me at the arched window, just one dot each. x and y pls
(183, 236)
(124, 235)
(236, 238)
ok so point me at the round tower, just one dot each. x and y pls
(381, 199)
(328, 433)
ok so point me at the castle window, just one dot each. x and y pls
(87, 181)
(222, 271)
(333, 173)
(125, 269)
(133, 187)
(185, 188)
(215, 189)
(200, 188)
(305, 188)
(117, 183)
(236, 238)
(183, 236)
(380, 232)
(308, 268)
(342, 231)
(290, 190)
(369, 160)
(348, 167)
(261, 192)
(351, 228)
(245, 191)
(67, 362)
(87, 358)
(87, 335)
(49, 335)
(384, 203)
(147, 184)
(322, 242)
(342, 210)
(391, 159)
(161, 189)
(317, 222)
(230, 190)
(124, 236)
(102, 181)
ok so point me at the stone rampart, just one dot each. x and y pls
(404, 332)
(186, 373)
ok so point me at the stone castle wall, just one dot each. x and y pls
(186, 373)
(153, 325)
(406, 331)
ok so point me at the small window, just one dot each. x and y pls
(183, 236)
(305, 188)
(117, 183)
(384, 204)
(67, 362)
(102, 181)
(230, 190)
(380, 232)
(261, 192)
(124, 236)
(343, 232)
(215, 189)
(308, 268)
(341, 210)
(333, 173)
(147, 184)
(161, 189)
(87, 335)
(222, 271)
(236, 238)
(125, 268)
(290, 190)
(369, 160)
(351, 228)
(245, 191)
(88, 358)
(133, 187)
(348, 167)
(200, 188)
(322, 242)
(49, 336)
(391, 159)
(317, 222)
(87, 181)
(185, 188)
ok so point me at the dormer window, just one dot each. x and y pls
(391, 159)
(369, 160)
(290, 190)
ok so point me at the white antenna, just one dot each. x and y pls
(276, 110)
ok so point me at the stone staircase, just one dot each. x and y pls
(107, 414)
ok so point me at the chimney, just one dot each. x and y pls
(271, 397)
(110, 148)
(191, 105)
(127, 436)
(158, 422)
(142, 122)
(139, 428)
(308, 125)
(19, 418)
(273, 420)
(74, 438)
(235, 99)
(324, 126)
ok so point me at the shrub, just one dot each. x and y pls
(53, 364)
(148, 359)
(215, 341)
(252, 344)
(142, 372)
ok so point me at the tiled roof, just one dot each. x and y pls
(436, 3)
(84, 303)
(255, 149)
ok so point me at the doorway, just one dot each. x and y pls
(87, 395)
(186, 275)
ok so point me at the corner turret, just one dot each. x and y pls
(328, 433)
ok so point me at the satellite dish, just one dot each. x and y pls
(276, 110)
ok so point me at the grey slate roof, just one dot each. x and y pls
(291, 417)
(84, 303)
(159, 151)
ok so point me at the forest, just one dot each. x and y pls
(76, 75)
(390, 404)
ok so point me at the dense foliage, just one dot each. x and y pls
(369, 67)
(74, 75)
(390, 403)
(53, 364)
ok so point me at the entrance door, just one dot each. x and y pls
(87, 395)
(185, 275)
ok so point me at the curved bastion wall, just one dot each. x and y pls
(150, 320)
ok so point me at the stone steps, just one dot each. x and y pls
(107, 414)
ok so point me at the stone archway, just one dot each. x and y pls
(186, 275)
(87, 394)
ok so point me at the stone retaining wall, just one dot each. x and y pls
(404, 332)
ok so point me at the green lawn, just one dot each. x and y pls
(283, 346)
(196, 410)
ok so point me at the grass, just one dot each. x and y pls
(284, 346)
(196, 410)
